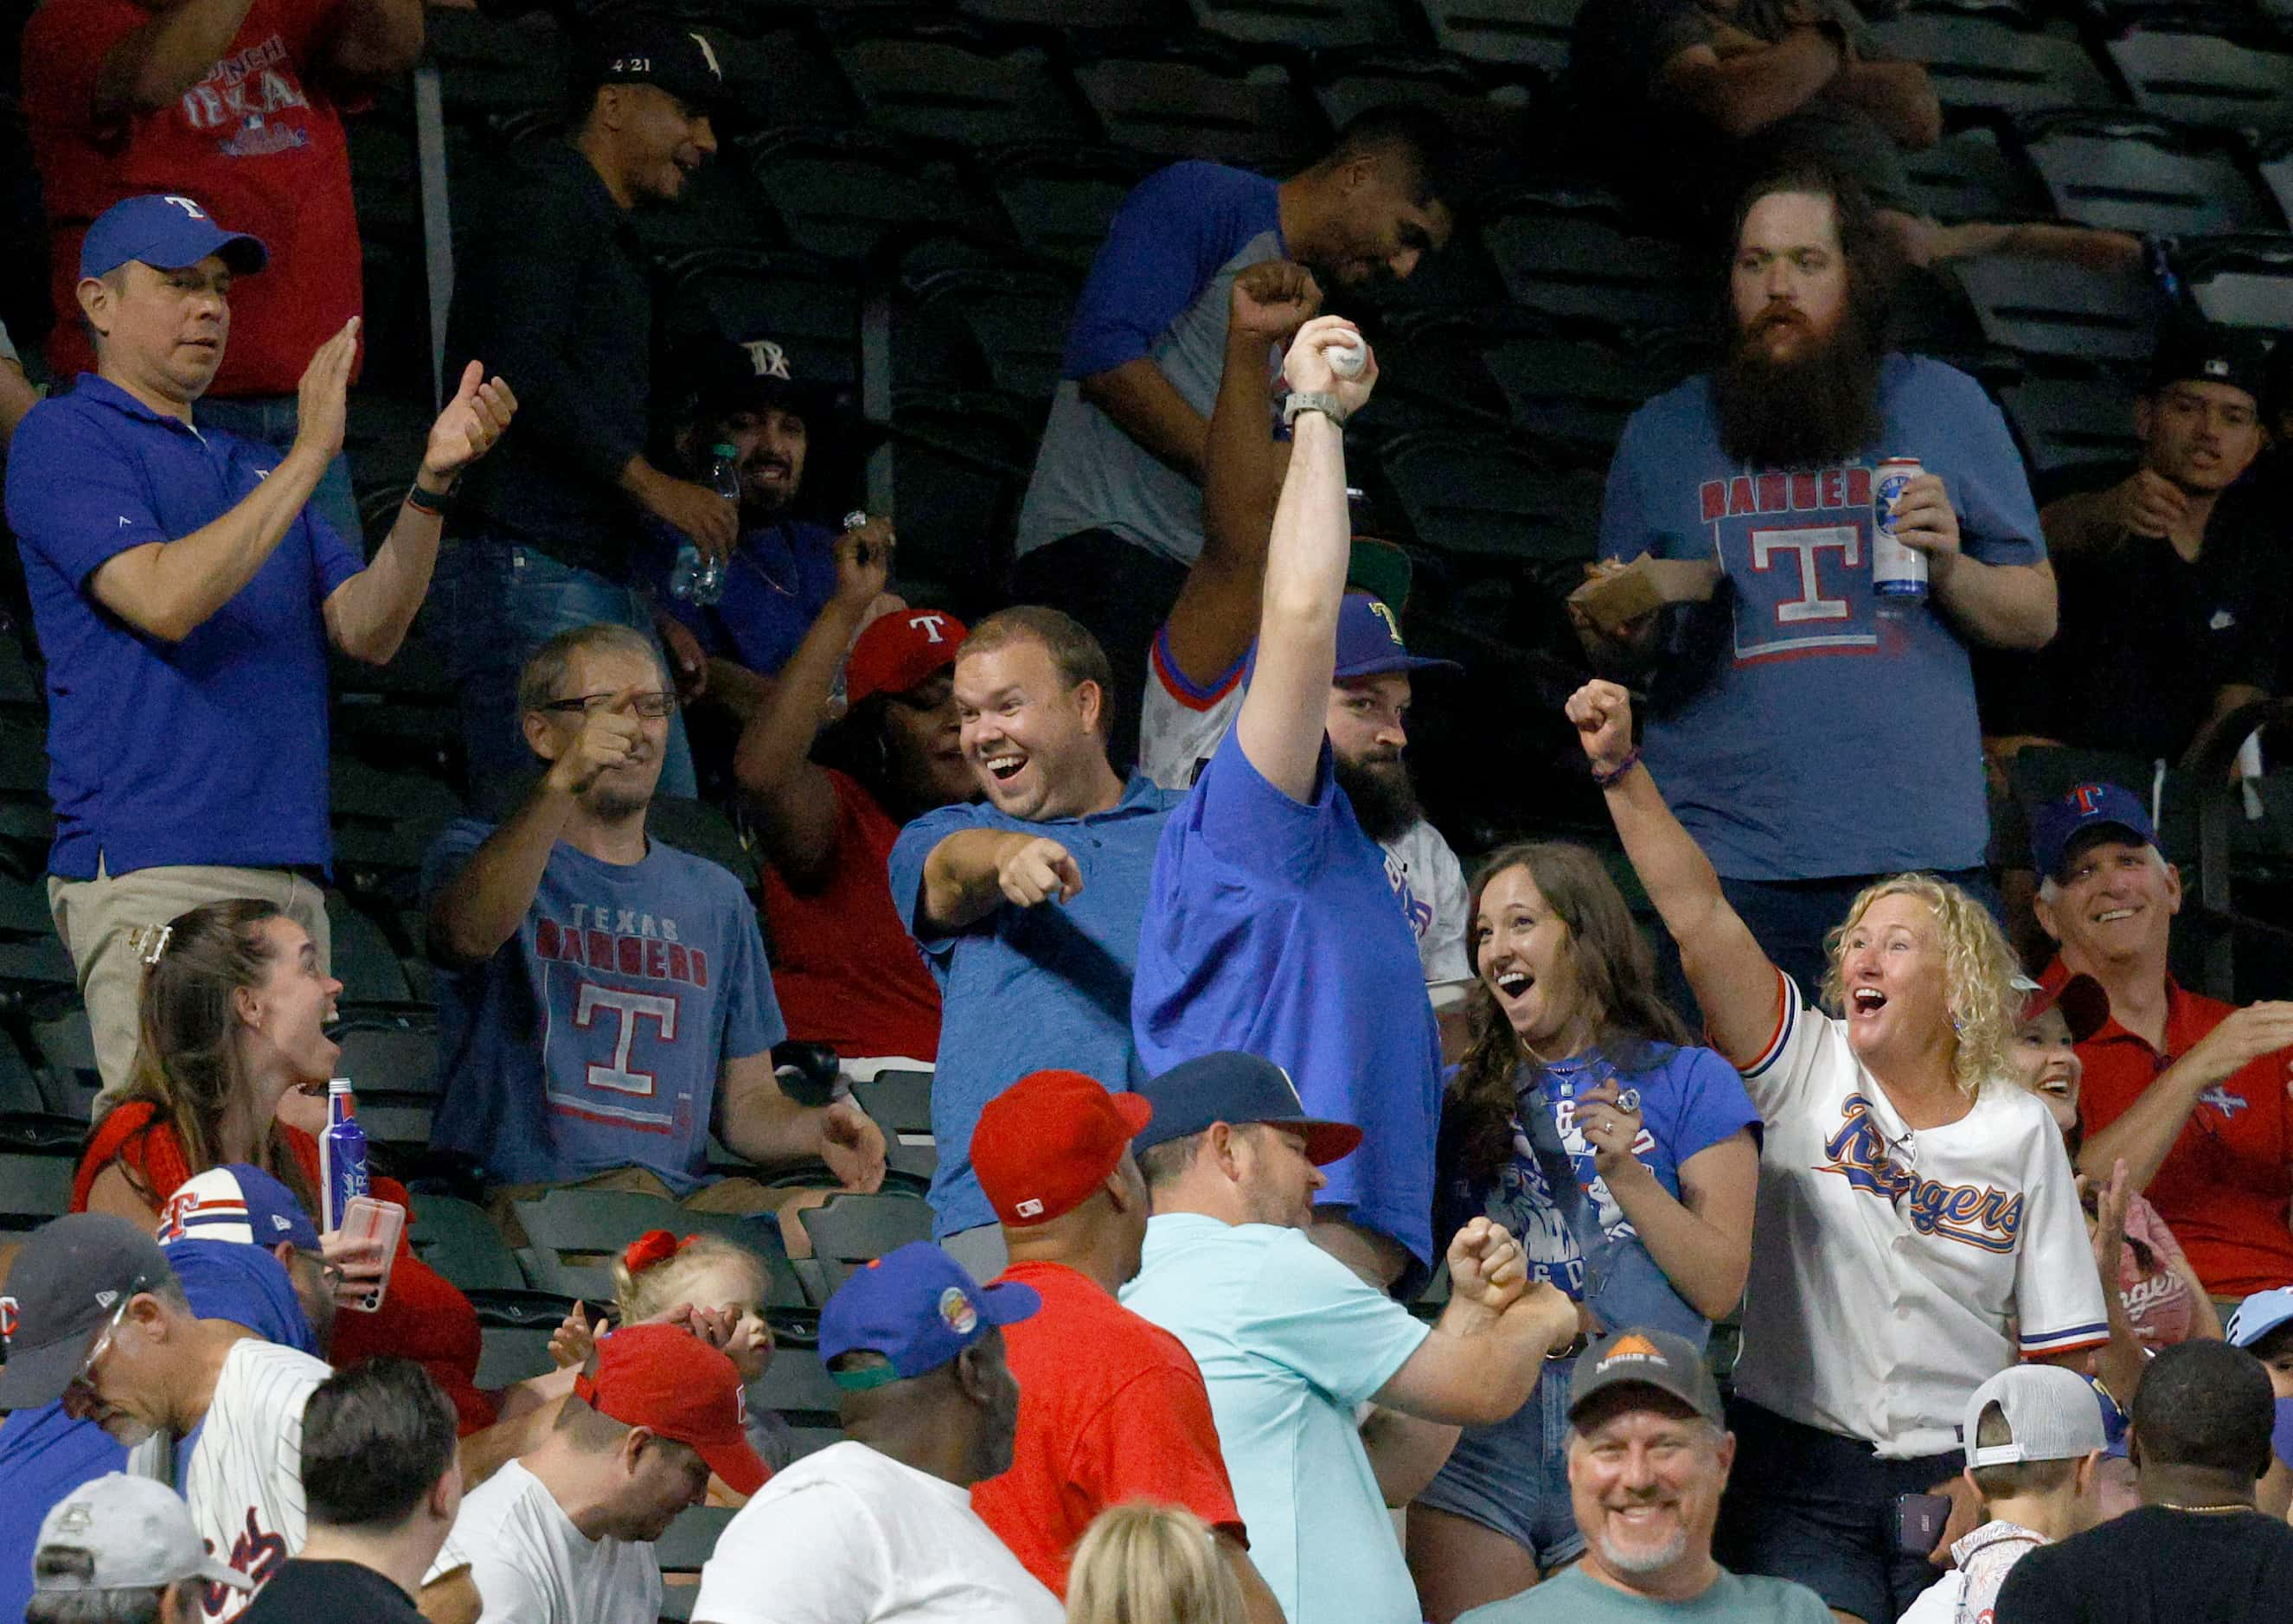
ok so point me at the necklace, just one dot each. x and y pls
(2208, 1510)
(762, 574)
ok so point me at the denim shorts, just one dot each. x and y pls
(1514, 1477)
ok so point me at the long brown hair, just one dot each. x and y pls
(1615, 975)
(186, 1056)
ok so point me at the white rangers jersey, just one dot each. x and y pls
(244, 1479)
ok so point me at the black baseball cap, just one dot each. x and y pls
(644, 50)
(735, 374)
(1643, 1358)
(68, 1281)
(1231, 1086)
(2205, 352)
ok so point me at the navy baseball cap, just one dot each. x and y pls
(2057, 824)
(166, 232)
(1370, 644)
(643, 50)
(1231, 1086)
(71, 1275)
(918, 1308)
(237, 1202)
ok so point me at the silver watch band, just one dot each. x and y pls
(1313, 400)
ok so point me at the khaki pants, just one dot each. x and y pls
(95, 917)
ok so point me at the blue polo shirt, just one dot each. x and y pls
(1027, 988)
(208, 751)
(1271, 929)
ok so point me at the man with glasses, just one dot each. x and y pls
(97, 1317)
(604, 1000)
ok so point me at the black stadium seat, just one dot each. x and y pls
(1987, 56)
(2197, 77)
(1971, 175)
(2241, 281)
(1514, 32)
(957, 84)
(1576, 390)
(1483, 496)
(805, 302)
(1489, 116)
(1198, 98)
(848, 194)
(38, 1155)
(1061, 199)
(1012, 324)
(2067, 425)
(1313, 24)
(2136, 174)
(2038, 307)
(1572, 254)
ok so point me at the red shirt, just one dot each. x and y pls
(844, 969)
(2226, 1186)
(1112, 1409)
(424, 1316)
(256, 143)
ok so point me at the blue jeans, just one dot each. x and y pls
(271, 420)
(499, 601)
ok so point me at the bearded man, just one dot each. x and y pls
(1809, 742)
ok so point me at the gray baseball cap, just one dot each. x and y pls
(2052, 1414)
(1671, 1365)
(69, 1278)
(139, 1533)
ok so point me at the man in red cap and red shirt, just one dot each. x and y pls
(844, 968)
(564, 1534)
(1111, 1408)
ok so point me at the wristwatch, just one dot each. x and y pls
(1313, 400)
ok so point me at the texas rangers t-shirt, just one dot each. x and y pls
(242, 1469)
(1158, 288)
(593, 1038)
(1270, 928)
(1797, 734)
(1900, 1270)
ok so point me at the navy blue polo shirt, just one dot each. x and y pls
(208, 751)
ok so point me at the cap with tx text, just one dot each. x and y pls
(166, 232)
(918, 1308)
(1231, 1086)
(139, 1534)
(643, 50)
(2050, 1414)
(1671, 1365)
(2259, 1314)
(722, 375)
(666, 1379)
(2056, 825)
(1370, 644)
(899, 650)
(2206, 352)
(1044, 1143)
(236, 1202)
(70, 1278)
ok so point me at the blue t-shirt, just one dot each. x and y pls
(1795, 734)
(208, 751)
(1024, 988)
(1271, 929)
(1290, 1341)
(1690, 1100)
(781, 576)
(594, 1037)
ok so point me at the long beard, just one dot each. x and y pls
(1822, 406)
(1385, 800)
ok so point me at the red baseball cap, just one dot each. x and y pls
(1044, 1143)
(900, 649)
(666, 1379)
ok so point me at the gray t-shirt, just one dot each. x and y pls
(1573, 1597)
(1158, 288)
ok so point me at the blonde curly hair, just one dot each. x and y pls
(650, 1289)
(1978, 970)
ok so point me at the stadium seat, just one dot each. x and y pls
(703, 830)
(781, 73)
(719, 207)
(1576, 390)
(361, 957)
(1011, 326)
(1517, 33)
(1431, 376)
(393, 1071)
(1197, 98)
(20, 1084)
(2134, 174)
(1490, 117)
(513, 1331)
(2043, 308)
(384, 819)
(796, 1385)
(1984, 56)
(899, 1103)
(455, 1238)
(960, 464)
(1059, 199)
(958, 84)
(593, 1226)
(683, 1547)
(63, 1048)
(31, 965)
(2241, 281)
(2275, 161)
(2070, 424)
(38, 1155)
(1312, 24)
(491, 65)
(1484, 496)
(1570, 253)
(20, 680)
(1970, 175)
(850, 194)
(852, 1229)
(805, 302)
(2201, 79)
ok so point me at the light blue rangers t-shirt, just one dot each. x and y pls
(1029, 988)
(1271, 929)
(1159, 287)
(1795, 734)
(594, 1037)
(1290, 1341)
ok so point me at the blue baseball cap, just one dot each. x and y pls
(918, 1308)
(2259, 1314)
(236, 1202)
(1370, 644)
(1232, 1086)
(2056, 825)
(166, 232)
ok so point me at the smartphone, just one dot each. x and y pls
(1919, 1521)
(367, 1221)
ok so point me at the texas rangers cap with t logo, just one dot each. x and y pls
(2059, 824)
(167, 232)
(237, 1202)
(900, 649)
(1370, 644)
(68, 1281)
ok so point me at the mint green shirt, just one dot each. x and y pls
(1573, 1597)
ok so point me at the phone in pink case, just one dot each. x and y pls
(377, 1224)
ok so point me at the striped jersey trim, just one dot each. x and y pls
(1787, 1013)
(2067, 1341)
(1175, 682)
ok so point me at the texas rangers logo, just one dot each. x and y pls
(1392, 626)
(767, 359)
(256, 1553)
(2087, 798)
(187, 206)
(1977, 1215)
(2222, 1100)
(932, 624)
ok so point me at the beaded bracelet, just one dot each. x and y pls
(1605, 779)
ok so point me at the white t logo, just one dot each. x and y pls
(187, 206)
(1804, 544)
(930, 626)
(619, 1075)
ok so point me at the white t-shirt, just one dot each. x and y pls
(850, 1536)
(1180, 728)
(532, 1567)
(1896, 1271)
(244, 1479)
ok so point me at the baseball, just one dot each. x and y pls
(1347, 360)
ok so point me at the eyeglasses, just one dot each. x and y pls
(652, 707)
(83, 1380)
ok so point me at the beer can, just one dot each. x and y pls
(342, 1156)
(1899, 574)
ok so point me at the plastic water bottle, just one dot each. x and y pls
(342, 1156)
(697, 578)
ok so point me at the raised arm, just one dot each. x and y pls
(1733, 979)
(164, 58)
(1748, 89)
(368, 615)
(794, 803)
(1282, 723)
(1216, 615)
